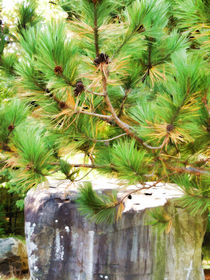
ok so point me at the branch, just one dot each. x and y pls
(80, 111)
(81, 165)
(191, 170)
(137, 190)
(84, 176)
(123, 103)
(158, 147)
(84, 165)
(108, 140)
(149, 60)
(106, 117)
(96, 30)
(95, 93)
(121, 124)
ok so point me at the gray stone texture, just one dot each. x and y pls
(13, 256)
(62, 245)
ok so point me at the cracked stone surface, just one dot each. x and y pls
(62, 245)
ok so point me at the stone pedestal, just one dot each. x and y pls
(62, 245)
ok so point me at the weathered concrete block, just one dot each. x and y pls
(62, 245)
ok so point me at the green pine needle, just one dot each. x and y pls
(97, 208)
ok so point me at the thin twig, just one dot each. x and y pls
(191, 170)
(123, 103)
(84, 165)
(106, 117)
(95, 93)
(108, 140)
(158, 147)
(80, 111)
(137, 190)
(84, 176)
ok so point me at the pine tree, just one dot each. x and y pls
(122, 82)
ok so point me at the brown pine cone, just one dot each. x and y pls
(58, 70)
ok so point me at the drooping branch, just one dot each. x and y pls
(124, 126)
(143, 187)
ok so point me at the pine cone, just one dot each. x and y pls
(169, 127)
(79, 88)
(11, 127)
(102, 58)
(62, 104)
(58, 70)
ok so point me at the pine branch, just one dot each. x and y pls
(75, 110)
(121, 124)
(104, 208)
(149, 59)
(82, 165)
(108, 140)
(189, 170)
(104, 117)
(95, 93)
(123, 102)
(96, 30)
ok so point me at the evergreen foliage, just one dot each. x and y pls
(125, 83)
(97, 208)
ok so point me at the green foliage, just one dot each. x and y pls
(97, 208)
(35, 155)
(196, 198)
(194, 12)
(160, 220)
(129, 161)
(8, 61)
(27, 16)
(124, 83)
(44, 51)
(11, 115)
(70, 7)
(70, 173)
